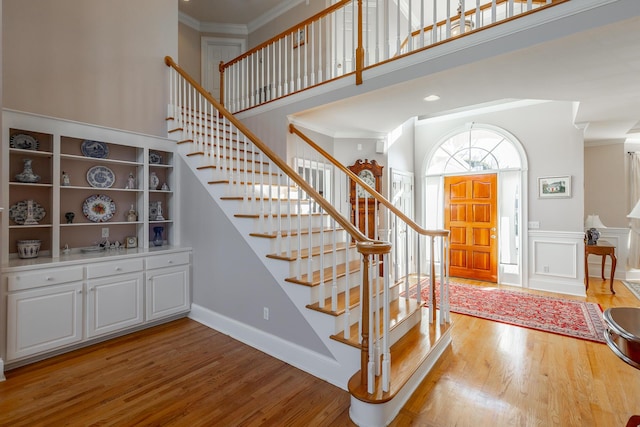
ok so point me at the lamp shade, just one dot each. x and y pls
(593, 221)
(635, 212)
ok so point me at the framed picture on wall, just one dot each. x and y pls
(554, 187)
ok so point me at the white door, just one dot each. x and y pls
(213, 51)
(402, 198)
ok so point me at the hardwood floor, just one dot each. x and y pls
(185, 374)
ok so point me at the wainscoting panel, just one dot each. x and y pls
(556, 261)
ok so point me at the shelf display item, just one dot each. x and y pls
(66, 180)
(23, 141)
(164, 187)
(95, 149)
(131, 242)
(98, 208)
(154, 181)
(157, 236)
(28, 248)
(27, 174)
(132, 216)
(155, 158)
(100, 177)
(27, 212)
(155, 211)
(69, 217)
(131, 182)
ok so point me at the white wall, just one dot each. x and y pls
(606, 183)
(99, 62)
(553, 146)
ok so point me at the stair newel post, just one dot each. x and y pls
(245, 186)
(370, 250)
(360, 48)
(263, 212)
(418, 265)
(278, 218)
(386, 353)
(289, 215)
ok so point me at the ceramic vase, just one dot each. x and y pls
(27, 174)
(154, 181)
(157, 236)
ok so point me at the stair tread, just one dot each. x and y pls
(406, 356)
(304, 253)
(256, 216)
(287, 233)
(354, 267)
(400, 309)
(354, 300)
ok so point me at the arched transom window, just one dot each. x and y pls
(476, 149)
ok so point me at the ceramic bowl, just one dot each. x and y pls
(28, 248)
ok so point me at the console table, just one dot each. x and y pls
(602, 248)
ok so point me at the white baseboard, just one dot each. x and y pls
(318, 365)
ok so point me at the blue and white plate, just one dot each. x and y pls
(101, 177)
(23, 141)
(96, 149)
(98, 208)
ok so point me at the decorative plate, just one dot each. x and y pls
(96, 149)
(23, 141)
(18, 212)
(155, 158)
(98, 208)
(100, 177)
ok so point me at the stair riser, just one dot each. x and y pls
(292, 223)
(341, 283)
(304, 241)
(316, 262)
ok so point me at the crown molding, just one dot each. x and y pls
(280, 9)
(240, 29)
(213, 27)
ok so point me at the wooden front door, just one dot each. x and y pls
(471, 216)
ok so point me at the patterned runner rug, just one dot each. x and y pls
(578, 319)
(633, 287)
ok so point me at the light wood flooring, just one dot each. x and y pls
(184, 374)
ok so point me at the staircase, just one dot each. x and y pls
(325, 264)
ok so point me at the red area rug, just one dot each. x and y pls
(572, 318)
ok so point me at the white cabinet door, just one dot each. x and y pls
(43, 319)
(167, 291)
(114, 303)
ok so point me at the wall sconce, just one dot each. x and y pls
(592, 223)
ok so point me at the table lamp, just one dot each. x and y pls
(592, 223)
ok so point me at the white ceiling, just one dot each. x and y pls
(599, 68)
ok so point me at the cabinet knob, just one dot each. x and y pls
(170, 261)
(49, 278)
(118, 268)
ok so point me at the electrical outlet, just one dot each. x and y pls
(105, 232)
(265, 313)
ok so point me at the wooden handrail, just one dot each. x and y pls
(354, 232)
(292, 30)
(379, 197)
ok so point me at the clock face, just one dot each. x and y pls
(369, 179)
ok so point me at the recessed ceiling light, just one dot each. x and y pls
(431, 98)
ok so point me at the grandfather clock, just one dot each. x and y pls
(363, 205)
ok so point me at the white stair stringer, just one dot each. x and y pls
(347, 358)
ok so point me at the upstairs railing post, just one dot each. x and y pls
(221, 68)
(360, 48)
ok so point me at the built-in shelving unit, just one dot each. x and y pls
(64, 186)
(83, 287)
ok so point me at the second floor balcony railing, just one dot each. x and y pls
(351, 36)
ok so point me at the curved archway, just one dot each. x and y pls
(484, 149)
